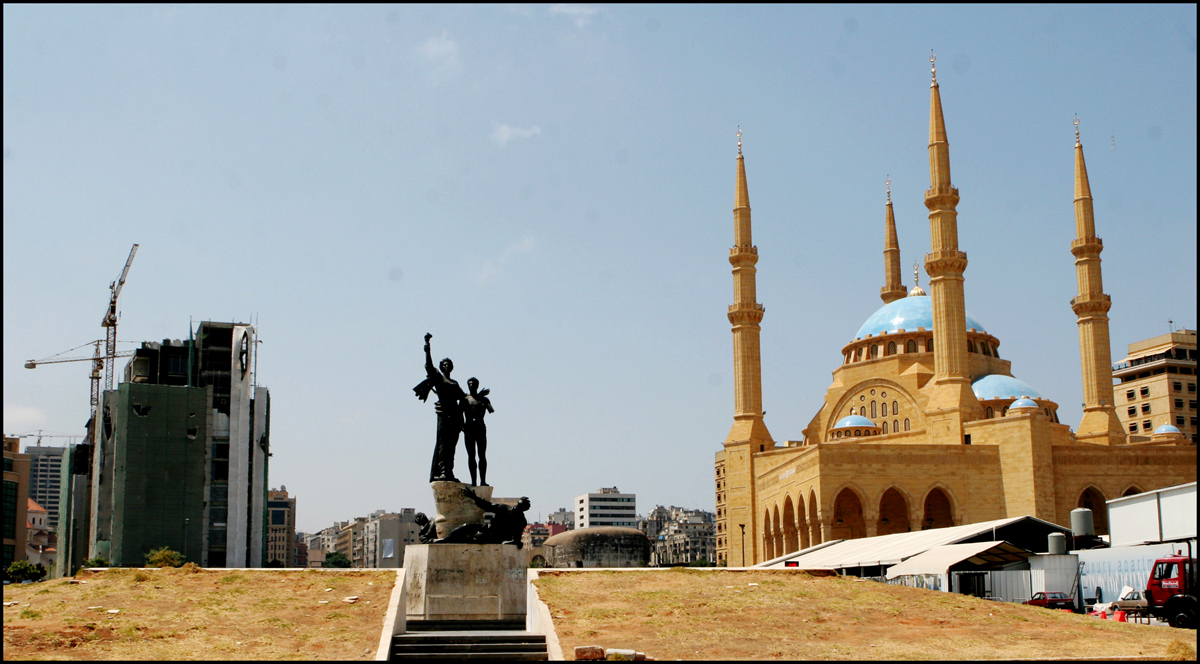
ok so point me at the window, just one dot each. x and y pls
(1191, 387)
(895, 408)
(907, 425)
(874, 351)
(1179, 420)
(970, 346)
(910, 347)
(1133, 427)
(891, 348)
(896, 425)
(1145, 408)
(1132, 411)
(929, 345)
(1129, 395)
(1146, 425)
(885, 425)
(990, 413)
(883, 409)
(1192, 404)
(874, 414)
(857, 354)
(1177, 386)
(1146, 391)
(1179, 404)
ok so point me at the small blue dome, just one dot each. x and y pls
(1023, 403)
(997, 386)
(1166, 428)
(854, 421)
(907, 313)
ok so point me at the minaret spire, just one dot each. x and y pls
(892, 288)
(1100, 423)
(951, 401)
(749, 434)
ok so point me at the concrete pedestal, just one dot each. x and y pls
(464, 582)
(455, 509)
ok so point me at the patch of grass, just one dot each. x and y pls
(140, 576)
(335, 615)
(30, 614)
(232, 578)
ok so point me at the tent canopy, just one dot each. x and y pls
(940, 559)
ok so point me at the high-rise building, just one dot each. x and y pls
(281, 528)
(1157, 386)
(609, 507)
(180, 456)
(385, 535)
(45, 477)
(16, 502)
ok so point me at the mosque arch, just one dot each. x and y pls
(874, 351)
(778, 530)
(791, 539)
(1093, 499)
(801, 522)
(938, 509)
(911, 346)
(893, 512)
(848, 520)
(850, 399)
(1133, 490)
(990, 413)
(814, 519)
(768, 537)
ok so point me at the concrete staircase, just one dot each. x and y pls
(469, 639)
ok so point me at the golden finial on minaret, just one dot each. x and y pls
(916, 289)
(1077, 129)
(889, 188)
(932, 66)
(739, 140)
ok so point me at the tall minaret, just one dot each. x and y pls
(1100, 424)
(749, 434)
(951, 400)
(892, 288)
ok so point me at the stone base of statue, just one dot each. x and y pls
(453, 508)
(464, 582)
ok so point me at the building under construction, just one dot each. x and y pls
(179, 458)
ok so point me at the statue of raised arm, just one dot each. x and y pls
(449, 413)
(476, 405)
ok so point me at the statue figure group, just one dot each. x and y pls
(456, 413)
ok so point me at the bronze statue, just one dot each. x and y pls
(476, 405)
(507, 524)
(428, 531)
(449, 413)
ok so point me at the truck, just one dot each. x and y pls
(1171, 590)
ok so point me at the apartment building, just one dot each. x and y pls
(608, 507)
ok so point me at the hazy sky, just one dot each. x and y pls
(549, 191)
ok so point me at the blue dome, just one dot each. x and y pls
(854, 421)
(996, 386)
(907, 313)
(1023, 403)
(1166, 428)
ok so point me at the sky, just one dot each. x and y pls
(548, 190)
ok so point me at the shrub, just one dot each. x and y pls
(23, 570)
(164, 557)
(97, 562)
(336, 559)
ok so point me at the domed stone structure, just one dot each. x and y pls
(602, 546)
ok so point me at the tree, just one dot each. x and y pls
(97, 562)
(164, 557)
(22, 570)
(336, 559)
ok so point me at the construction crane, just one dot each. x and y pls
(110, 322)
(96, 359)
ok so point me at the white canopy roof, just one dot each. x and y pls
(940, 559)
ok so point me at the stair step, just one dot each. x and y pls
(490, 656)
(464, 625)
(469, 637)
(468, 647)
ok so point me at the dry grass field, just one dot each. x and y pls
(192, 613)
(788, 615)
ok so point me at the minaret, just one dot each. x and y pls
(749, 434)
(951, 400)
(1100, 423)
(892, 288)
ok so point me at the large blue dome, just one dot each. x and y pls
(907, 313)
(996, 386)
(854, 421)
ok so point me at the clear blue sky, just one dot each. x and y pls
(548, 190)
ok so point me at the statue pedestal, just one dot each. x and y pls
(464, 582)
(455, 509)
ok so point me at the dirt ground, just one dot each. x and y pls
(190, 613)
(789, 615)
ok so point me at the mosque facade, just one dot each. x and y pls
(924, 425)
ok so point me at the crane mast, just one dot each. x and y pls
(110, 324)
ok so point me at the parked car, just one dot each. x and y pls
(1130, 601)
(1051, 600)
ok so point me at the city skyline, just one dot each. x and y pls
(548, 190)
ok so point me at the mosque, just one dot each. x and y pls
(924, 425)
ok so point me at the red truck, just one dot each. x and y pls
(1171, 591)
(1051, 600)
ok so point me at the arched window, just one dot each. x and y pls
(883, 409)
(895, 425)
(970, 346)
(990, 413)
(911, 346)
(983, 346)
(873, 413)
(885, 430)
(891, 349)
(857, 354)
(874, 351)
(907, 425)
(857, 432)
(929, 345)
(895, 408)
